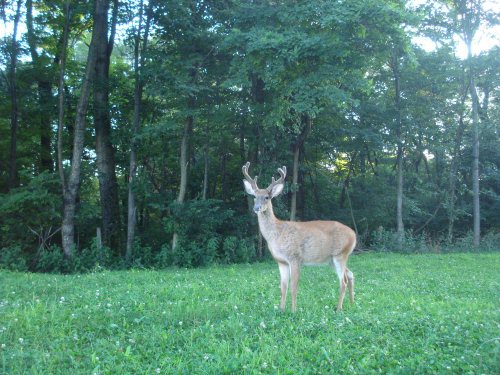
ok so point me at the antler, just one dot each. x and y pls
(280, 180)
(252, 182)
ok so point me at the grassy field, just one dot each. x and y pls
(413, 314)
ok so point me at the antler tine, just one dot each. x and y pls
(282, 172)
(253, 181)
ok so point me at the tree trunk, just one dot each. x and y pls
(60, 91)
(14, 103)
(454, 167)
(224, 178)
(399, 197)
(138, 65)
(295, 175)
(399, 184)
(188, 128)
(296, 159)
(108, 185)
(71, 191)
(205, 173)
(475, 156)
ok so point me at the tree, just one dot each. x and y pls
(140, 48)
(468, 15)
(73, 183)
(108, 185)
(60, 94)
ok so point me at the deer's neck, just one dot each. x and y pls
(268, 223)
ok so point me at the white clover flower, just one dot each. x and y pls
(21, 340)
(264, 365)
(158, 370)
(262, 325)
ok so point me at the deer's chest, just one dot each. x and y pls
(279, 254)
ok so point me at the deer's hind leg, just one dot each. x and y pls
(350, 284)
(294, 283)
(342, 273)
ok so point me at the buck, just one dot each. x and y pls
(293, 244)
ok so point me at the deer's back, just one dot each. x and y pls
(312, 241)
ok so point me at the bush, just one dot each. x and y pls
(91, 258)
(34, 207)
(12, 258)
(386, 240)
(489, 242)
(52, 260)
(207, 232)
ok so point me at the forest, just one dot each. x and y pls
(124, 126)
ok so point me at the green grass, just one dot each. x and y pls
(413, 314)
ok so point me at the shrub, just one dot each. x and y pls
(12, 258)
(490, 241)
(32, 208)
(51, 260)
(91, 258)
(386, 240)
(208, 232)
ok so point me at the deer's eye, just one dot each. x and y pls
(267, 198)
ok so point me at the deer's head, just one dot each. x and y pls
(263, 196)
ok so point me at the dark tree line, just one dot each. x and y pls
(124, 126)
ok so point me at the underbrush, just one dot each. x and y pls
(386, 241)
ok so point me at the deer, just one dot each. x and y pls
(293, 244)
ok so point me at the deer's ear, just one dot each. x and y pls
(248, 188)
(277, 189)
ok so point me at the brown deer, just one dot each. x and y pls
(293, 244)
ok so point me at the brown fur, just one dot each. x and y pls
(293, 244)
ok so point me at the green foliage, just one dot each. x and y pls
(432, 313)
(208, 232)
(52, 260)
(12, 258)
(384, 240)
(251, 75)
(34, 207)
(489, 243)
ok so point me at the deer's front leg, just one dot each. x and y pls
(284, 277)
(294, 287)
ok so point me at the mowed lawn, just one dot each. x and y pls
(413, 314)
